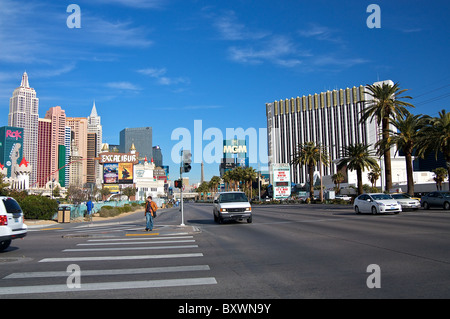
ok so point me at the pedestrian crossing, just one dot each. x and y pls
(159, 261)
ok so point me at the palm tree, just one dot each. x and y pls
(310, 154)
(249, 175)
(374, 175)
(386, 104)
(358, 157)
(408, 137)
(227, 179)
(337, 179)
(237, 175)
(441, 174)
(437, 135)
(215, 180)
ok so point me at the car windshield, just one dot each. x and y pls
(446, 194)
(233, 197)
(400, 196)
(381, 196)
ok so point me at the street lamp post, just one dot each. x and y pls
(320, 171)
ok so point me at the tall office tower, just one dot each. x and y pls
(44, 152)
(142, 139)
(95, 127)
(57, 116)
(157, 156)
(78, 127)
(67, 144)
(92, 164)
(24, 113)
(330, 119)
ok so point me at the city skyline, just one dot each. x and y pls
(168, 63)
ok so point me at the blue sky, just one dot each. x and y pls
(168, 63)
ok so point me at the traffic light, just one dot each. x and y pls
(187, 160)
(186, 167)
(178, 183)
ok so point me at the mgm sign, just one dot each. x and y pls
(234, 154)
(235, 148)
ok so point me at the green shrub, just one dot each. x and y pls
(108, 211)
(38, 207)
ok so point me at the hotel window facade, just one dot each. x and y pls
(330, 119)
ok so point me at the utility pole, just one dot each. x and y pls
(181, 190)
(184, 167)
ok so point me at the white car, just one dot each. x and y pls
(343, 197)
(376, 203)
(406, 201)
(232, 206)
(11, 222)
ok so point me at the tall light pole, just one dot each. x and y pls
(320, 170)
(184, 167)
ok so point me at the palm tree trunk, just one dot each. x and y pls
(387, 155)
(409, 174)
(359, 179)
(311, 181)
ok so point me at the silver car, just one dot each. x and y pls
(232, 206)
(436, 199)
(406, 201)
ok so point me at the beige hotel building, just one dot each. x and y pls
(330, 118)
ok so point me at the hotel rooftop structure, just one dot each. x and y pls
(331, 119)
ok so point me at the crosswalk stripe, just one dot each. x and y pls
(139, 242)
(132, 243)
(108, 286)
(108, 272)
(130, 248)
(110, 258)
(132, 239)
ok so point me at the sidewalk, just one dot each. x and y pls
(43, 223)
(96, 222)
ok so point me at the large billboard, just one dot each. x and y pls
(125, 173)
(110, 173)
(118, 167)
(11, 146)
(281, 180)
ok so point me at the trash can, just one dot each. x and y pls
(64, 214)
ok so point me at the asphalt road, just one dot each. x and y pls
(298, 251)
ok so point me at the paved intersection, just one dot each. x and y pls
(113, 257)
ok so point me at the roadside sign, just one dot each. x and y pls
(281, 180)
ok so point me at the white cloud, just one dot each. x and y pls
(320, 32)
(230, 28)
(122, 86)
(153, 72)
(55, 72)
(159, 75)
(278, 50)
(121, 34)
(140, 4)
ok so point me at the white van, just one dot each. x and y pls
(11, 222)
(232, 206)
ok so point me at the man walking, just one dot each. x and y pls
(89, 207)
(150, 212)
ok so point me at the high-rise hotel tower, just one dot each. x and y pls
(24, 113)
(330, 119)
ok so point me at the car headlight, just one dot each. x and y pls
(248, 209)
(380, 204)
(223, 210)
